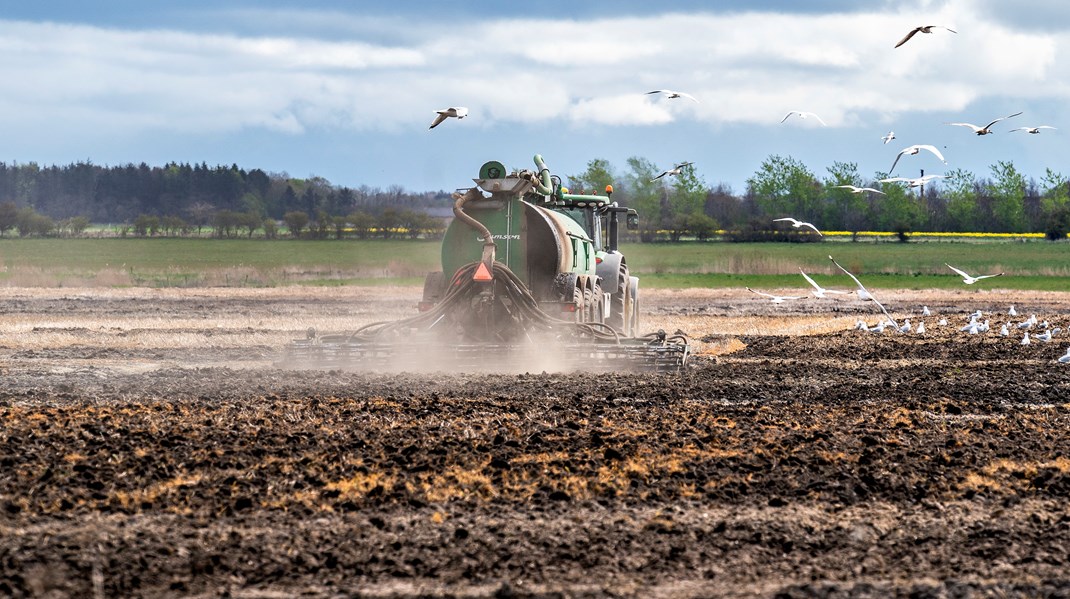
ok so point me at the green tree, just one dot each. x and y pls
(362, 223)
(146, 225)
(271, 228)
(899, 210)
(1007, 192)
(645, 196)
(388, 222)
(845, 210)
(784, 187)
(296, 221)
(9, 217)
(594, 180)
(960, 189)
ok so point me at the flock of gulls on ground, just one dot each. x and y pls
(1041, 330)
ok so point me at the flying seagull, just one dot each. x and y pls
(859, 189)
(820, 291)
(888, 138)
(922, 29)
(969, 280)
(983, 130)
(676, 170)
(914, 150)
(776, 299)
(458, 112)
(862, 292)
(913, 182)
(1033, 130)
(802, 115)
(670, 94)
(798, 224)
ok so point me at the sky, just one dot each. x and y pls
(347, 90)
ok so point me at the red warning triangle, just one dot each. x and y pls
(482, 274)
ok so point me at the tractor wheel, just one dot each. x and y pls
(581, 307)
(597, 304)
(617, 301)
(434, 287)
(588, 305)
(632, 305)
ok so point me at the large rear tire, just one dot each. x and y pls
(632, 311)
(618, 302)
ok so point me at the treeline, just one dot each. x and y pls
(196, 194)
(684, 205)
(183, 199)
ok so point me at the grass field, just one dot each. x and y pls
(240, 262)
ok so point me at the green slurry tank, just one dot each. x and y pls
(532, 278)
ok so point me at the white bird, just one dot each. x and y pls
(970, 280)
(1028, 323)
(918, 182)
(925, 311)
(921, 328)
(942, 322)
(862, 292)
(913, 150)
(922, 29)
(802, 115)
(906, 327)
(820, 291)
(983, 130)
(858, 189)
(671, 94)
(1003, 332)
(976, 315)
(888, 138)
(1033, 130)
(776, 299)
(861, 325)
(676, 170)
(798, 224)
(1012, 311)
(1046, 335)
(1025, 340)
(1065, 359)
(458, 112)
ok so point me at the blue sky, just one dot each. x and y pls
(346, 90)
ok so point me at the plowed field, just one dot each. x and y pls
(148, 447)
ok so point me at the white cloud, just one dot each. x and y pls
(744, 67)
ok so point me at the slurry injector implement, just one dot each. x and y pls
(532, 279)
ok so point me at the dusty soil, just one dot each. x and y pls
(149, 448)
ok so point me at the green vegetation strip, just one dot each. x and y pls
(1039, 265)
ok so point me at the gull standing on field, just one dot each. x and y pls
(458, 112)
(1012, 311)
(858, 189)
(798, 223)
(1025, 340)
(922, 29)
(1033, 130)
(864, 293)
(912, 182)
(914, 150)
(1065, 359)
(970, 280)
(983, 130)
(776, 299)
(1047, 335)
(676, 170)
(671, 94)
(921, 328)
(925, 311)
(888, 138)
(802, 115)
(820, 291)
